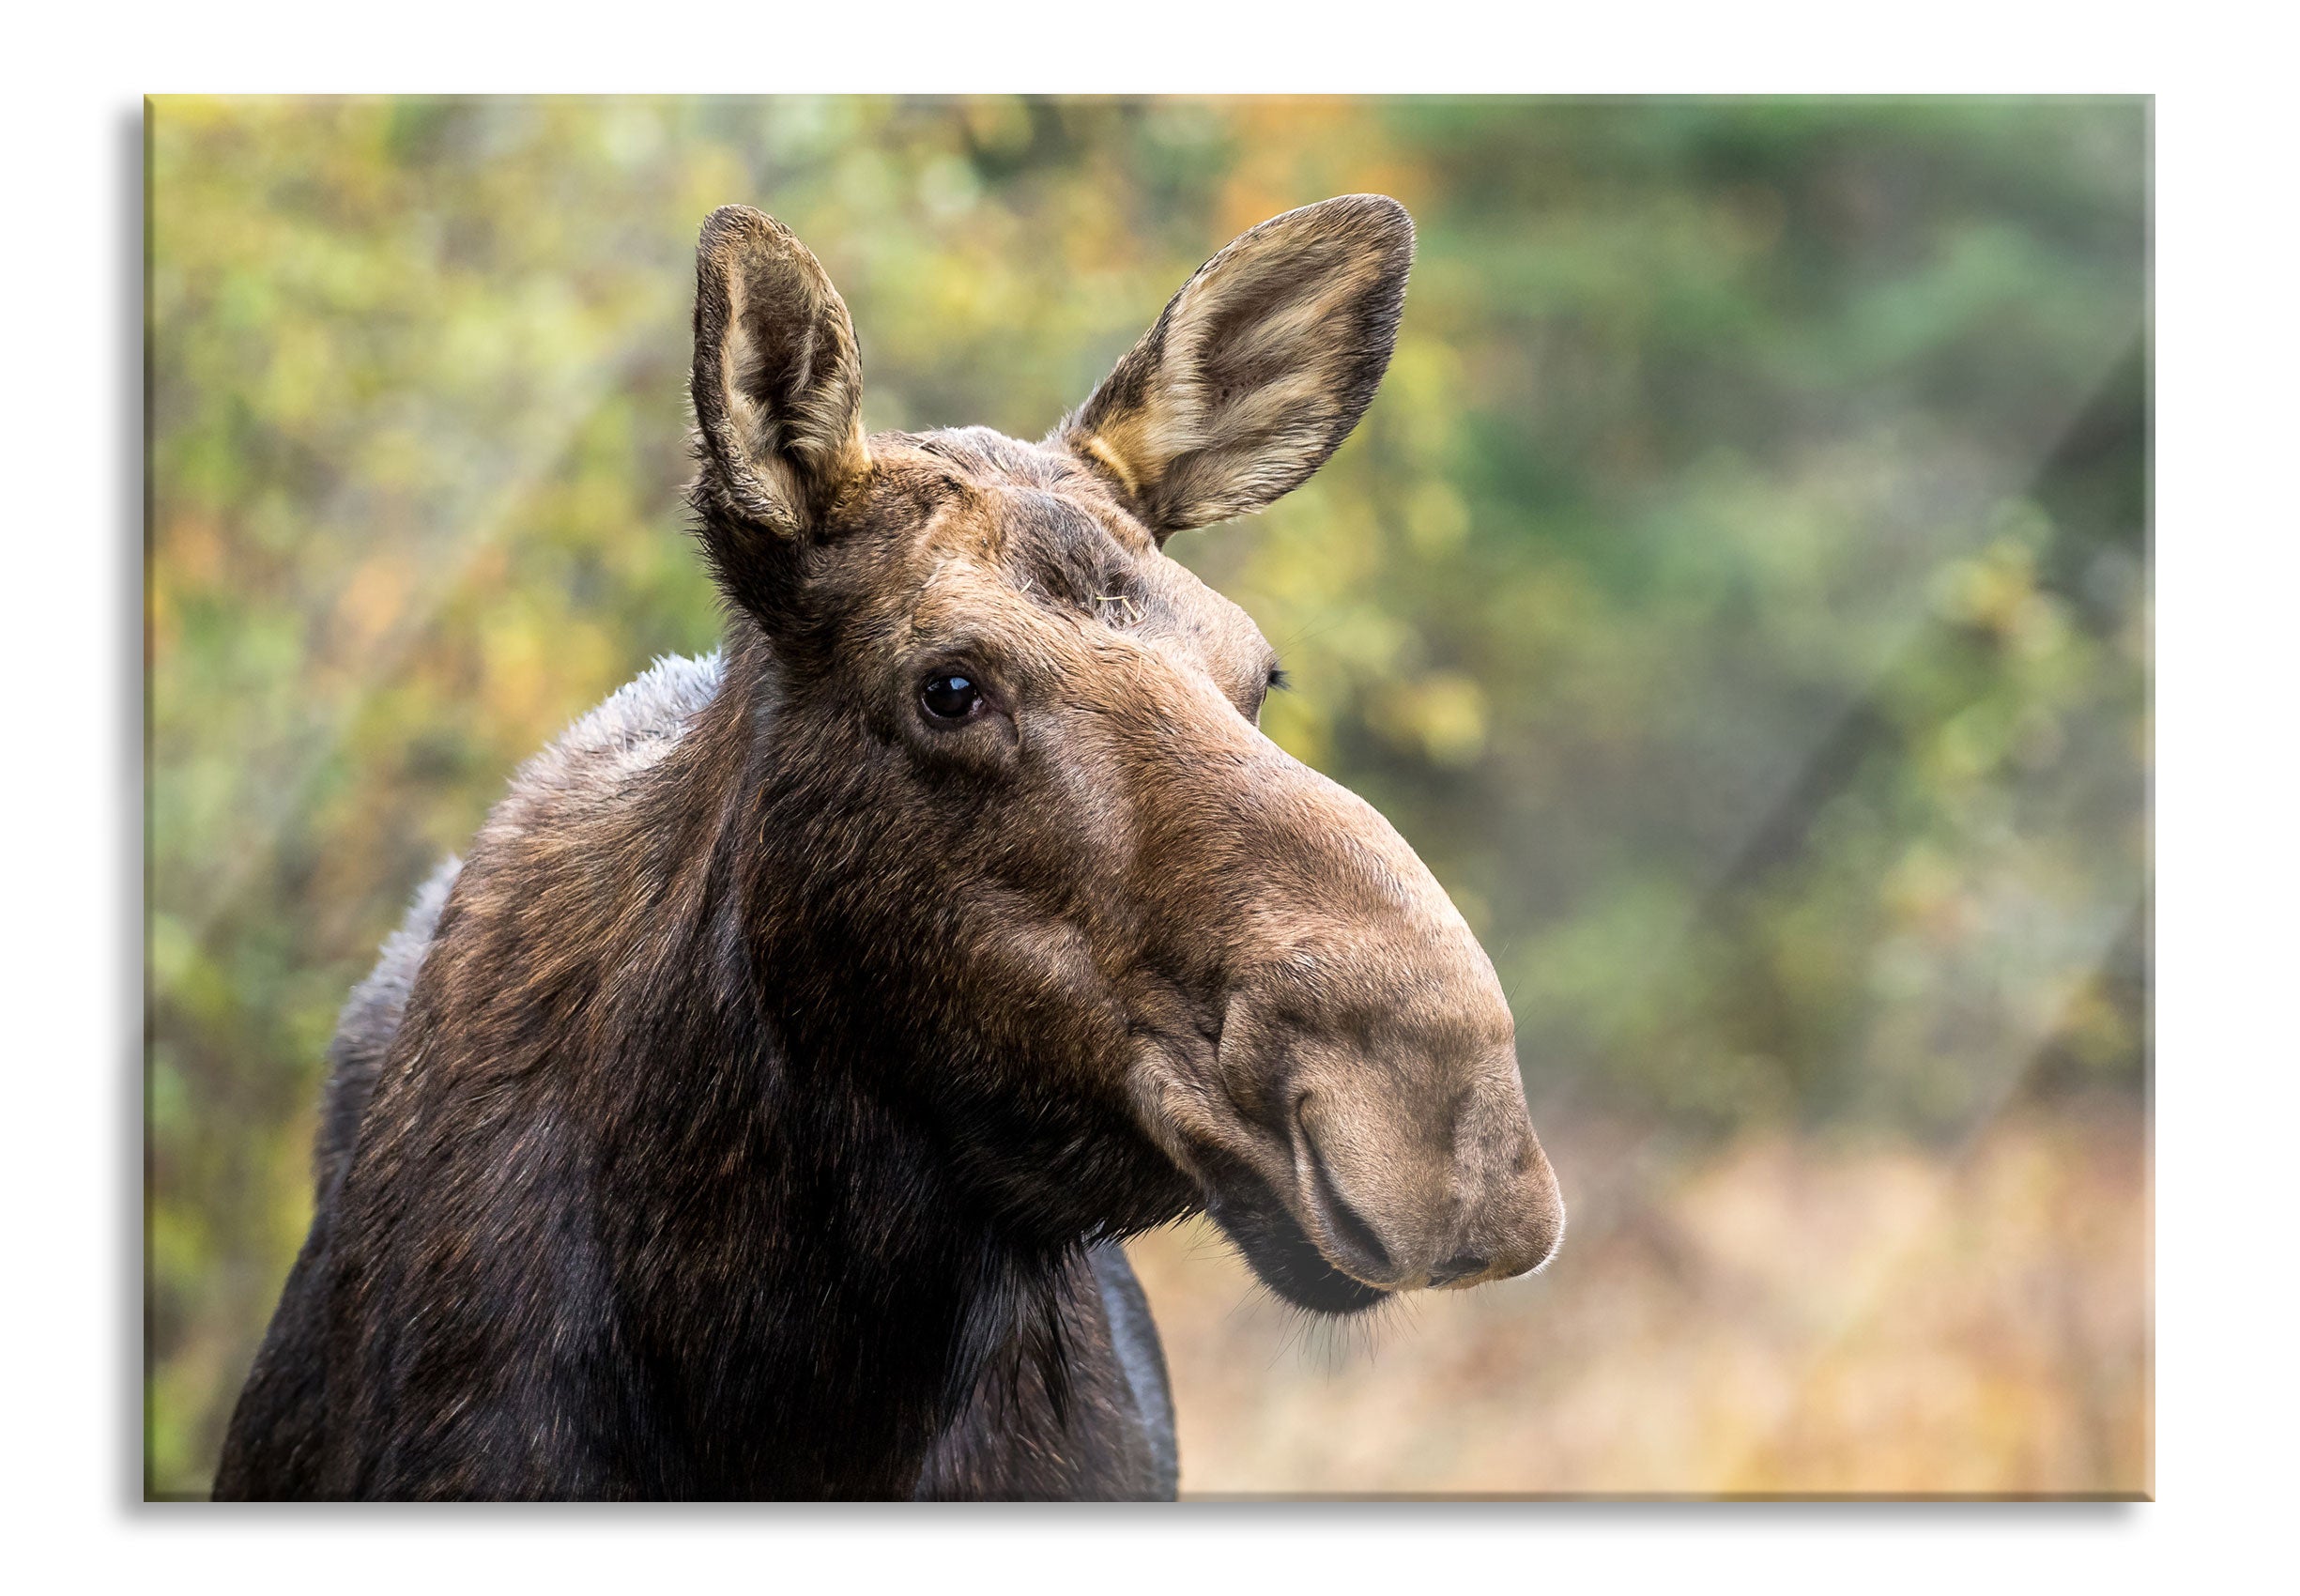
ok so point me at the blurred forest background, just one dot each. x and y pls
(1738, 592)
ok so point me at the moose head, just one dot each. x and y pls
(1031, 853)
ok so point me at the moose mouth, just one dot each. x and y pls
(1280, 1252)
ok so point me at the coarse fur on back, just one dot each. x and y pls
(756, 1107)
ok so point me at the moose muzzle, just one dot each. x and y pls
(1377, 1137)
(1398, 1140)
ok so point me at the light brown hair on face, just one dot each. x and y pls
(1023, 811)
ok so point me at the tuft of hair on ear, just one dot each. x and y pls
(1260, 366)
(777, 384)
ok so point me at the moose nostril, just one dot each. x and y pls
(1461, 1266)
(1350, 1229)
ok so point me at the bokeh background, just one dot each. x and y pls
(1738, 594)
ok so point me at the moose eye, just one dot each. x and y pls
(949, 696)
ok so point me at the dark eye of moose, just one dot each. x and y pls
(949, 696)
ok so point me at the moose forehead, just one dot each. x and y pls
(968, 537)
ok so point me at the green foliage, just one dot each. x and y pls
(1737, 591)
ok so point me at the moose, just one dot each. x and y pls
(757, 1109)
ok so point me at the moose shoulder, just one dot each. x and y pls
(756, 1110)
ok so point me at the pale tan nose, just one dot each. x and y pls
(1395, 1212)
(1512, 1223)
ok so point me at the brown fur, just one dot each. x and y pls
(781, 1047)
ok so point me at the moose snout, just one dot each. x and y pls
(1363, 1127)
(1400, 1199)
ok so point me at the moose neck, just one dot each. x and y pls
(817, 1282)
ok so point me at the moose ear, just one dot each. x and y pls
(1258, 369)
(778, 379)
